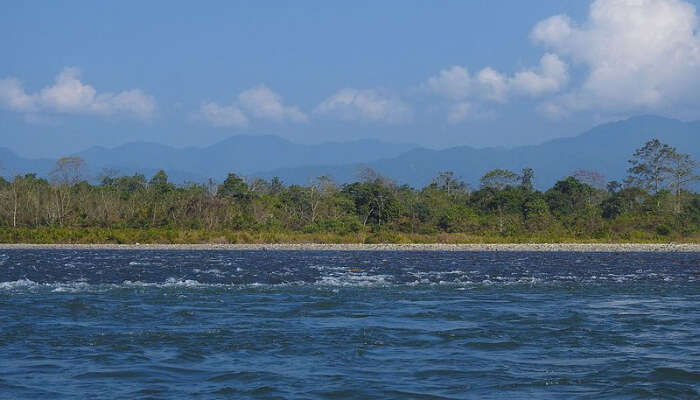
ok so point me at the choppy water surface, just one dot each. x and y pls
(207, 324)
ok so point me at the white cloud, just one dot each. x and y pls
(455, 83)
(641, 55)
(13, 97)
(222, 115)
(261, 102)
(258, 102)
(69, 95)
(553, 30)
(365, 105)
(490, 85)
(493, 84)
(550, 77)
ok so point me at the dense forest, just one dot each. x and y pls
(653, 204)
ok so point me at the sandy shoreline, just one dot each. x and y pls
(594, 247)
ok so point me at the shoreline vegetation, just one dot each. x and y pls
(494, 247)
(174, 237)
(654, 204)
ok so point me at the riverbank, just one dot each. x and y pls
(540, 247)
(357, 240)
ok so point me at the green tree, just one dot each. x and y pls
(276, 185)
(159, 183)
(499, 179)
(527, 178)
(374, 202)
(498, 193)
(234, 187)
(447, 181)
(536, 212)
(613, 187)
(568, 196)
(651, 165)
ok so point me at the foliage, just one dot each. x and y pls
(506, 208)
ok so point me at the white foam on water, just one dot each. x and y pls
(135, 263)
(73, 287)
(171, 282)
(344, 277)
(18, 284)
(355, 279)
(213, 271)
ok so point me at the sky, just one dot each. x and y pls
(438, 74)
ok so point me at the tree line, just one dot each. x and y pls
(654, 203)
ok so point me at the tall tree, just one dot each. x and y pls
(613, 187)
(233, 187)
(67, 172)
(498, 179)
(494, 183)
(527, 179)
(568, 196)
(317, 191)
(447, 181)
(369, 175)
(651, 165)
(590, 177)
(682, 171)
(276, 185)
(159, 183)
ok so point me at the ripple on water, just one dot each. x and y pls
(110, 324)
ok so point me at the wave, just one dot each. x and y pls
(324, 282)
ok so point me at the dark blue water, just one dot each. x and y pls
(355, 325)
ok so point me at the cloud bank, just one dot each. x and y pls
(456, 83)
(68, 95)
(462, 89)
(640, 55)
(635, 56)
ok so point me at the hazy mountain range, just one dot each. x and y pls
(605, 148)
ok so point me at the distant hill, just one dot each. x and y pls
(12, 164)
(605, 148)
(241, 154)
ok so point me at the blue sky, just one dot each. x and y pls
(497, 73)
